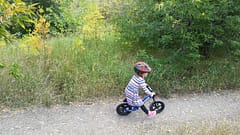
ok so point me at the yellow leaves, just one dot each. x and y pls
(93, 16)
(159, 5)
(2, 43)
(93, 23)
(7, 11)
(31, 45)
(177, 21)
(79, 44)
(41, 10)
(21, 6)
(12, 14)
(34, 43)
(14, 8)
(41, 26)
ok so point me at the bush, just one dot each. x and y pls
(180, 32)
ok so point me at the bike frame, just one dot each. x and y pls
(145, 99)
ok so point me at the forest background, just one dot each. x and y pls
(62, 51)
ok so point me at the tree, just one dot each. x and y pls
(13, 14)
(58, 13)
(184, 31)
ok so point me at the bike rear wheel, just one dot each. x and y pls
(157, 106)
(122, 109)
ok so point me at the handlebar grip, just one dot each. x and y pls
(150, 89)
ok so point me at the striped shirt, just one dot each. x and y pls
(132, 90)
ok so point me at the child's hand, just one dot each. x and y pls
(153, 94)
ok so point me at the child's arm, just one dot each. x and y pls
(150, 89)
(147, 89)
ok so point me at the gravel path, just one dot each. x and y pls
(101, 118)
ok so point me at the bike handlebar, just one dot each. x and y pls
(149, 88)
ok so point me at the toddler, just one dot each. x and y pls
(137, 83)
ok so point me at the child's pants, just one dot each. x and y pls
(145, 110)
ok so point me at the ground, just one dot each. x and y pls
(100, 118)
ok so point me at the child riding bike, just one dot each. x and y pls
(137, 83)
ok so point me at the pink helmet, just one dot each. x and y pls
(141, 67)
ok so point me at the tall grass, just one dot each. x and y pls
(79, 69)
(76, 69)
(94, 64)
(209, 75)
(204, 128)
(88, 68)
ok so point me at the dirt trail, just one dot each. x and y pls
(101, 118)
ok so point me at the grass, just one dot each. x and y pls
(86, 66)
(209, 128)
(220, 127)
(213, 74)
(95, 64)
(75, 70)
(78, 69)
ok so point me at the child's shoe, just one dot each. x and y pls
(151, 114)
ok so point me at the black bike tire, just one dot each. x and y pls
(157, 106)
(121, 107)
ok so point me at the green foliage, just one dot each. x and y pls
(14, 17)
(17, 16)
(64, 16)
(182, 31)
(96, 61)
(213, 74)
(74, 70)
(2, 65)
(14, 70)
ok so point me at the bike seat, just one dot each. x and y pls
(125, 100)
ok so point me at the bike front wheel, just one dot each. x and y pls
(157, 106)
(123, 109)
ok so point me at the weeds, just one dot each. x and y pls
(77, 69)
(42, 70)
(209, 128)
